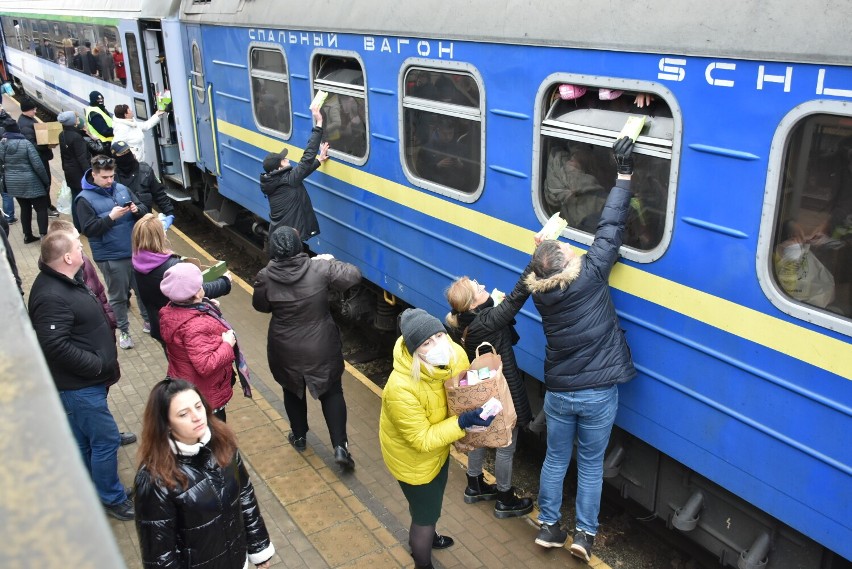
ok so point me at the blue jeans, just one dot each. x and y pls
(8, 206)
(587, 415)
(97, 436)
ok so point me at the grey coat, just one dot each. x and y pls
(24, 176)
(304, 346)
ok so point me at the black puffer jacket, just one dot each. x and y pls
(289, 202)
(303, 346)
(214, 523)
(144, 183)
(73, 331)
(496, 325)
(75, 156)
(585, 343)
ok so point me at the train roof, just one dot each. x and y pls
(776, 30)
(80, 9)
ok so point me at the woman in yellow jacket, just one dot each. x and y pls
(416, 428)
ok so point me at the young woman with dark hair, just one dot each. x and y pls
(195, 505)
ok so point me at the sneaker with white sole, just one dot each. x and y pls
(125, 342)
(146, 327)
(551, 535)
(582, 545)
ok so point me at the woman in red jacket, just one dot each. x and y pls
(200, 344)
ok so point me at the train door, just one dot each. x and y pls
(201, 93)
(163, 147)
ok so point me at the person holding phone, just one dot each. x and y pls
(106, 212)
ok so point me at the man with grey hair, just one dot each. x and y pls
(586, 358)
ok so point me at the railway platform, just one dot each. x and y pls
(318, 516)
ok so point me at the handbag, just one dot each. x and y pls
(461, 398)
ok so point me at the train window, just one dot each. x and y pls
(133, 62)
(576, 171)
(811, 248)
(197, 73)
(345, 109)
(442, 130)
(270, 90)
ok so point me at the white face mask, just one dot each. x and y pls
(439, 354)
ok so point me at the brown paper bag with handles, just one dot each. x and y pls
(461, 398)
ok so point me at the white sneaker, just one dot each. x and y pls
(125, 342)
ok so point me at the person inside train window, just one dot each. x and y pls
(450, 156)
(283, 184)
(345, 126)
(105, 63)
(798, 270)
(570, 189)
(47, 50)
(67, 52)
(126, 128)
(118, 65)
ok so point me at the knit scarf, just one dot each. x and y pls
(242, 365)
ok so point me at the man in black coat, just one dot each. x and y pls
(79, 346)
(586, 358)
(75, 154)
(140, 178)
(26, 122)
(283, 184)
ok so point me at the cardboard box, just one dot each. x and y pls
(47, 132)
(209, 273)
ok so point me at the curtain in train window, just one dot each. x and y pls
(270, 90)
(133, 63)
(578, 170)
(345, 109)
(197, 73)
(442, 129)
(812, 245)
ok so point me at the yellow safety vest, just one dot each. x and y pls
(92, 130)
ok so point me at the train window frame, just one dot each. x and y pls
(332, 87)
(772, 205)
(596, 137)
(196, 72)
(131, 58)
(446, 109)
(272, 76)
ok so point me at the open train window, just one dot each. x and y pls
(197, 73)
(270, 90)
(442, 129)
(579, 124)
(807, 244)
(345, 110)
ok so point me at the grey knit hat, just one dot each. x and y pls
(67, 118)
(284, 243)
(417, 326)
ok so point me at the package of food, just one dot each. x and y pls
(319, 100)
(554, 226)
(498, 296)
(633, 127)
(164, 99)
(491, 408)
(47, 132)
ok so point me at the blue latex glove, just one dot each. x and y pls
(167, 222)
(471, 418)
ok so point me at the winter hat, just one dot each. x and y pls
(119, 147)
(10, 125)
(68, 118)
(417, 326)
(284, 243)
(94, 96)
(27, 105)
(181, 282)
(273, 160)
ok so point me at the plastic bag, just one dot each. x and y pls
(803, 276)
(63, 202)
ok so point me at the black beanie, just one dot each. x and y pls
(417, 326)
(284, 243)
(10, 125)
(93, 98)
(27, 105)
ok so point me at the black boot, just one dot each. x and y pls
(430, 566)
(478, 490)
(510, 506)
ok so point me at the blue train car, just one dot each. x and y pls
(465, 130)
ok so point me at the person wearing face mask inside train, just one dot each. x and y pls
(416, 428)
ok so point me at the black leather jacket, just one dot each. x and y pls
(214, 523)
